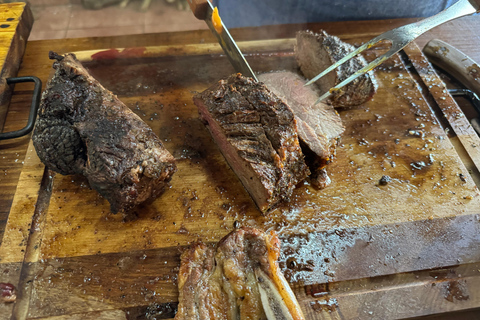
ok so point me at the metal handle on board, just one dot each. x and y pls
(33, 108)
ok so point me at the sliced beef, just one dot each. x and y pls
(257, 134)
(317, 51)
(237, 279)
(85, 129)
(319, 126)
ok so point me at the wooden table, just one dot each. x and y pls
(462, 34)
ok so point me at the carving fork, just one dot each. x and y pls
(400, 38)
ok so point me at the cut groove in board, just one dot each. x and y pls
(449, 110)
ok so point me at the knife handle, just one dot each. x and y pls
(455, 62)
(200, 8)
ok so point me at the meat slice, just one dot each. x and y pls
(85, 129)
(257, 133)
(238, 279)
(317, 51)
(319, 126)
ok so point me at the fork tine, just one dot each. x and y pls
(357, 74)
(360, 49)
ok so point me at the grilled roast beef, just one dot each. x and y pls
(257, 133)
(317, 51)
(85, 129)
(319, 126)
(238, 279)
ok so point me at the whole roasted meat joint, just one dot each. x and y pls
(85, 129)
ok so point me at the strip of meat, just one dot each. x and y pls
(242, 276)
(85, 129)
(205, 300)
(317, 51)
(7, 292)
(319, 126)
(257, 133)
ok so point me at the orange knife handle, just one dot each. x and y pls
(200, 8)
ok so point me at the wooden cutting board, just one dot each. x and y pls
(16, 21)
(355, 250)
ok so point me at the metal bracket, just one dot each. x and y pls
(473, 97)
(33, 108)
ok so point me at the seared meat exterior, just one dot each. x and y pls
(85, 129)
(317, 51)
(257, 134)
(238, 279)
(319, 126)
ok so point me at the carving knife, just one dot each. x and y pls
(203, 10)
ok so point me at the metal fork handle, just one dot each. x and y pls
(457, 10)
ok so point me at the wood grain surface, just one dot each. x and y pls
(362, 250)
(85, 258)
(461, 33)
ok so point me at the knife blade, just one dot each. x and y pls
(203, 10)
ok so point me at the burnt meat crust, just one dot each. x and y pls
(317, 51)
(85, 129)
(256, 131)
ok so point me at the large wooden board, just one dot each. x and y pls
(351, 241)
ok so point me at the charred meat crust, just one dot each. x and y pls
(256, 132)
(85, 129)
(317, 51)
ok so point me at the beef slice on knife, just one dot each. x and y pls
(257, 134)
(85, 129)
(317, 51)
(239, 278)
(319, 125)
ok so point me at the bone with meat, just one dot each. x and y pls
(239, 278)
